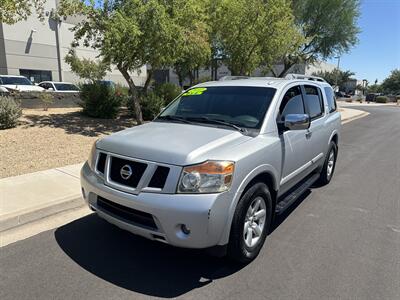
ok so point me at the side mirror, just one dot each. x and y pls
(297, 121)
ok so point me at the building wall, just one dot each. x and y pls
(33, 45)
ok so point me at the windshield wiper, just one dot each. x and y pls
(174, 118)
(220, 122)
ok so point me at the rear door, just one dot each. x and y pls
(316, 134)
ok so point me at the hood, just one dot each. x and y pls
(172, 143)
(23, 88)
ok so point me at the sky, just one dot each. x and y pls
(378, 50)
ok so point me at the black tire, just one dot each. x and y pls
(325, 175)
(238, 250)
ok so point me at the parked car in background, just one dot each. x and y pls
(108, 83)
(371, 97)
(63, 87)
(10, 83)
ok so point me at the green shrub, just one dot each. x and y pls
(167, 91)
(381, 99)
(47, 99)
(99, 101)
(151, 105)
(10, 111)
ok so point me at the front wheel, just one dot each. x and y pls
(329, 165)
(250, 224)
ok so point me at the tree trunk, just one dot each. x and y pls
(191, 77)
(134, 95)
(286, 66)
(148, 80)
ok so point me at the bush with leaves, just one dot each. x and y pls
(381, 99)
(167, 91)
(10, 112)
(47, 99)
(99, 101)
(151, 104)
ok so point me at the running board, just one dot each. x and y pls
(290, 198)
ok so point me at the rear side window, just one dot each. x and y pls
(292, 103)
(313, 101)
(330, 97)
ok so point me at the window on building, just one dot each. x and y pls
(313, 101)
(36, 76)
(330, 97)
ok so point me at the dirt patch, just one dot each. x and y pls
(58, 137)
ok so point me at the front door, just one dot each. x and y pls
(295, 157)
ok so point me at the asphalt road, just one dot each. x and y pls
(339, 241)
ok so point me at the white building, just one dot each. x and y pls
(37, 50)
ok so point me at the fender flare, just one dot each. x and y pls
(266, 168)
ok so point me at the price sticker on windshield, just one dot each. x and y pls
(195, 92)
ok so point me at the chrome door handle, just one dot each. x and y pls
(308, 134)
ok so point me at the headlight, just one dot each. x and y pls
(92, 157)
(208, 177)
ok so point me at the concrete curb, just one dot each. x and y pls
(33, 214)
(352, 118)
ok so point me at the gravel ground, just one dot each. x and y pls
(51, 139)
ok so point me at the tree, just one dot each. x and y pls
(336, 77)
(87, 68)
(132, 33)
(253, 33)
(391, 85)
(12, 11)
(374, 88)
(195, 48)
(329, 28)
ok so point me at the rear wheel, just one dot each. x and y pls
(250, 224)
(329, 165)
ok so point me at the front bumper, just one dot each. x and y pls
(205, 215)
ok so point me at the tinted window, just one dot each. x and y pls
(313, 101)
(292, 103)
(45, 85)
(65, 87)
(330, 97)
(36, 75)
(16, 80)
(243, 106)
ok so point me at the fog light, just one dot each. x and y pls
(185, 229)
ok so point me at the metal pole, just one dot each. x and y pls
(337, 72)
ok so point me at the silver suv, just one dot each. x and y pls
(215, 167)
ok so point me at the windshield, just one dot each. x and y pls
(241, 106)
(65, 87)
(15, 80)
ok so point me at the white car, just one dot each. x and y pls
(63, 87)
(17, 83)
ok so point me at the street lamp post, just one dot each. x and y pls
(337, 72)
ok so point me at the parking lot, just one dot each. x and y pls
(339, 241)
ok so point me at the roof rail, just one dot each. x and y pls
(233, 78)
(305, 77)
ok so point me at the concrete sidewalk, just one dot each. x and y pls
(30, 197)
(350, 114)
(33, 196)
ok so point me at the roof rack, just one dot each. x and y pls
(247, 77)
(233, 78)
(305, 77)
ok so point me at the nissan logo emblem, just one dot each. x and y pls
(126, 172)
